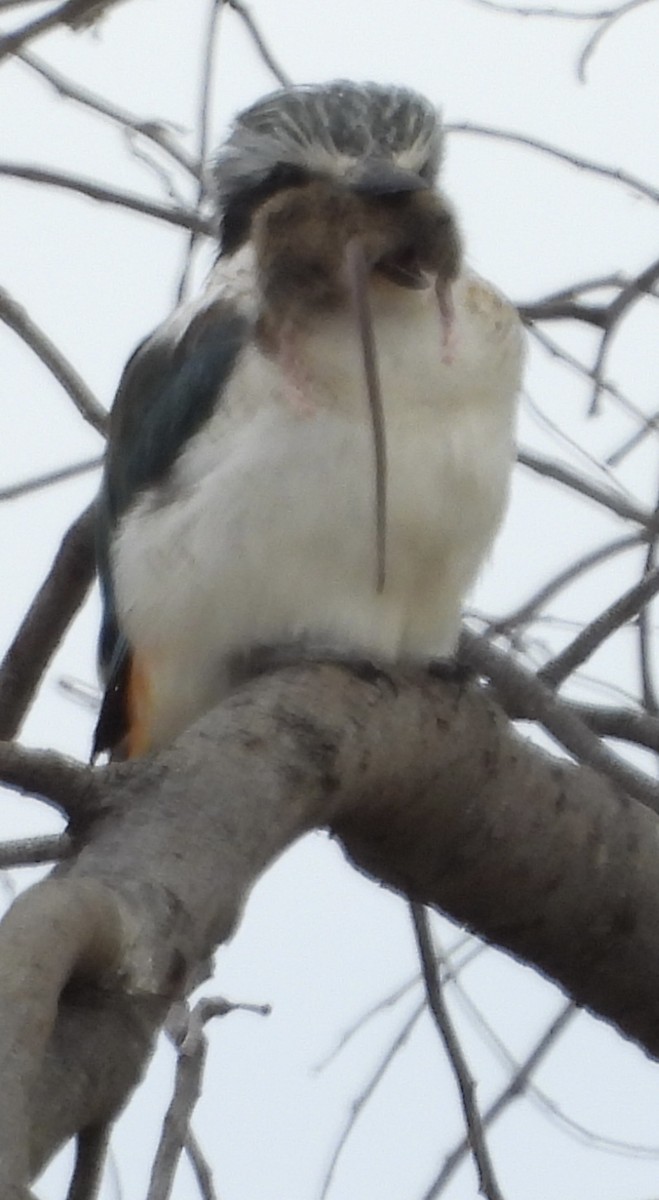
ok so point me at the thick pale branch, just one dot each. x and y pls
(51, 932)
(430, 791)
(60, 781)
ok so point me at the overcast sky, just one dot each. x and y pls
(320, 943)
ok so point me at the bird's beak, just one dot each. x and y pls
(384, 178)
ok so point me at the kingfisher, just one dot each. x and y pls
(237, 505)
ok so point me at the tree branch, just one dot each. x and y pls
(487, 1181)
(627, 606)
(613, 174)
(75, 13)
(529, 697)
(46, 622)
(182, 218)
(15, 491)
(16, 317)
(430, 791)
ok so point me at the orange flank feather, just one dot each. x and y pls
(139, 704)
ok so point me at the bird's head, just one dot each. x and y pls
(308, 170)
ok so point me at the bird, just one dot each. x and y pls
(238, 503)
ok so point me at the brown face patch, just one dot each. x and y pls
(301, 236)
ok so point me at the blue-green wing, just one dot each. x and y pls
(169, 389)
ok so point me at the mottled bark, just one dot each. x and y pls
(429, 789)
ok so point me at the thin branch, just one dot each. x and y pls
(16, 491)
(608, 20)
(563, 14)
(210, 43)
(153, 130)
(528, 610)
(26, 852)
(585, 487)
(624, 178)
(192, 1049)
(627, 724)
(180, 217)
(650, 702)
(511, 1092)
(573, 446)
(563, 310)
(16, 317)
(475, 950)
(46, 622)
(575, 364)
(522, 692)
(73, 13)
(487, 1181)
(360, 1101)
(91, 1150)
(615, 458)
(613, 315)
(615, 279)
(200, 1167)
(544, 1102)
(624, 609)
(260, 43)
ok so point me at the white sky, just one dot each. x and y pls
(318, 942)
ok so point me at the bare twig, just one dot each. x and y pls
(90, 1157)
(210, 42)
(624, 723)
(614, 174)
(74, 13)
(360, 1101)
(26, 852)
(16, 491)
(563, 14)
(527, 611)
(617, 456)
(15, 316)
(182, 218)
(608, 20)
(16, 3)
(487, 1181)
(200, 1167)
(650, 702)
(260, 43)
(187, 1088)
(475, 949)
(511, 1092)
(46, 621)
(535, 1095)
(585, 487)
(613, 314)
(623, 609)
(606, 385)
(521, 692)
(153, 130)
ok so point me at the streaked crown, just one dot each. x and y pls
(326, 130)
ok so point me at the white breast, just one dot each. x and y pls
(271, 536)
